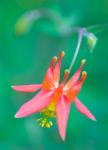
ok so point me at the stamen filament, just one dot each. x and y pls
(54, 59)
(66, 74)
(61, 55)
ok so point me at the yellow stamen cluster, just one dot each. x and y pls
(48, 113)
(44, 120)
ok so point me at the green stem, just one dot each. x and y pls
(80, 36)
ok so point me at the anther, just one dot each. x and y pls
(42, 125)
(50, 123)
(47, 125)
(66, 74)
(61, 55)
(54, 59)
(83, 62)
(39, 119)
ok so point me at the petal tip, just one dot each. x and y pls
(63, 138)
(94, 119)
(12, 86)
(18, 115)
(62, 135)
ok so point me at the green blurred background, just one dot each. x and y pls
(24, 60)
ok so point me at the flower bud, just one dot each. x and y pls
(91, 41)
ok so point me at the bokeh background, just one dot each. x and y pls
(24, 58)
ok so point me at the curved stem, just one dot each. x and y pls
(34, 15)
(81, 31)
(99, 31)
(96, 26)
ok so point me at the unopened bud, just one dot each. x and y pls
(91, 41)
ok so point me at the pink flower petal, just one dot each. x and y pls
(72, 93)
(36, 104)
(57, 74)
(48, 79)
(75, 77)
(62, 112)
(27, 88)
(81, 108)
(57, 69)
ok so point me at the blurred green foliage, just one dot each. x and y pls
(24, 59)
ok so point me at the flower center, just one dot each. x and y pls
(48, 113)
(46, 116)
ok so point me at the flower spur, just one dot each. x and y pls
(54, 98)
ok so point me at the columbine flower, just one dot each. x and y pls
(54, 98)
